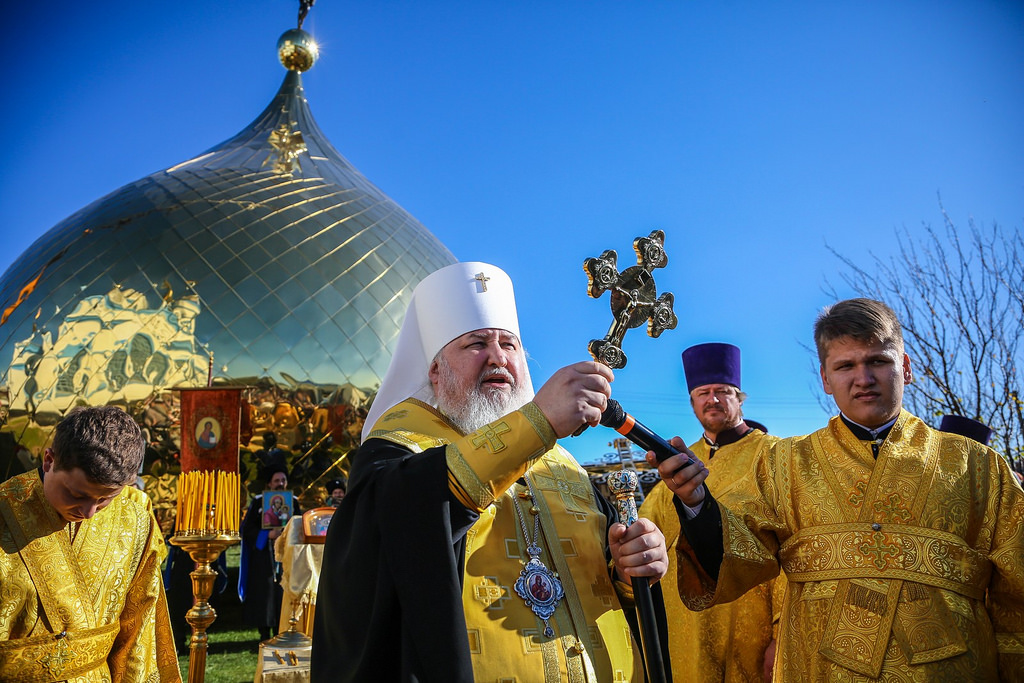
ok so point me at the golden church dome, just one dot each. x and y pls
(268, 261)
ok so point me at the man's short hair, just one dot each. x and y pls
(103, 441)
(865, 320)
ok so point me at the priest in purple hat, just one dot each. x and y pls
(705, 646)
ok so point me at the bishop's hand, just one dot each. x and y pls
(576, 394)
(638, 550)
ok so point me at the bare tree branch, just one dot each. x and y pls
(959, 294)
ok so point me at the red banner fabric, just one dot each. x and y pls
(210, 422)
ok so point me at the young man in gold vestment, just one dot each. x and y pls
(81, 596)
(470, 546)
(728, 642)
(902, 546)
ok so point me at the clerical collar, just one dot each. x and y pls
(874, 436)
(866, 433)
(727, 437)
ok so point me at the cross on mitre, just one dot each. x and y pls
(482, 279)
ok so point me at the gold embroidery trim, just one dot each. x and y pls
(56, 657)
(482, 465)
(548, 500)
(921, 555)
(64, 602)
(850, 639)
(540, 424)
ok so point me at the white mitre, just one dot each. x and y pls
(446, 304)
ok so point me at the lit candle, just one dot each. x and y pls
(207, 499)
(213, 499)
(218, 496)
(192, 501)
(185, 495)
(220, 501)
(193, 497)
(177, 518)
(232, 502)
(197, 502)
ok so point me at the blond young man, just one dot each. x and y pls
(902, 546)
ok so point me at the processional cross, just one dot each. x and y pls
(634, 297)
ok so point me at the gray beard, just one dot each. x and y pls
(470, 408)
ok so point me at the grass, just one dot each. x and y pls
(232, 646)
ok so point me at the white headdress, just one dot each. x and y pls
(446, 304)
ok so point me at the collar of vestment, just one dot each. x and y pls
(728, 436)
(875, 436)
(415, 425)
(866, 433)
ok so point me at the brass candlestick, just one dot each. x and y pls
(204, 547)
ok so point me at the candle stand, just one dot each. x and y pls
(204, 548)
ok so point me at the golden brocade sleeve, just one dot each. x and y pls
(1005, 599)
(483, 464)
(750, 540)
(144, 649)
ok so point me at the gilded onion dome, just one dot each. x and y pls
(268, 260)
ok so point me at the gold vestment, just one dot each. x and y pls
(725, 642)
(905, 568)
(88, 610)
(592, 640)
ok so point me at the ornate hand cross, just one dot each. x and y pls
(634, 298)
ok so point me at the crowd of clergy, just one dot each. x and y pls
(468, 545)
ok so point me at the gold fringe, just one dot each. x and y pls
(915, 591)
(866, 599)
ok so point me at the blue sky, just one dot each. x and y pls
(535, 134)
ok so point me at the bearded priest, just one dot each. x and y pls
(470, 546)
